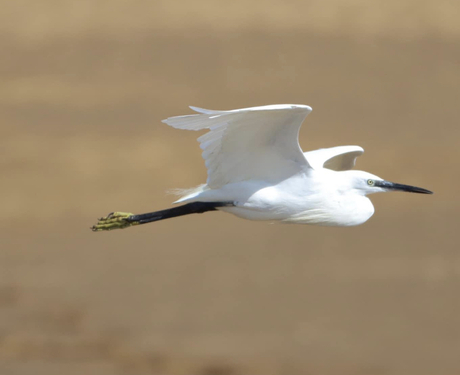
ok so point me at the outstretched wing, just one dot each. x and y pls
(250, 143)
(340, 158)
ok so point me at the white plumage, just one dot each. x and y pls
(248, 144)
(254, 160)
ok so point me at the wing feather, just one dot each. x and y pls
(248, 144)
(341, 158)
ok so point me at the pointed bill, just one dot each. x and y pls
(400, 187)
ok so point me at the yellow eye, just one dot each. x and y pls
(370, 182)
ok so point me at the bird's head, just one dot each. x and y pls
(368, 183)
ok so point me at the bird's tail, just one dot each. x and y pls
(186, 194)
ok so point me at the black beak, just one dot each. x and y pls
(393, 186)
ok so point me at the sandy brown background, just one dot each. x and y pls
(83, 87)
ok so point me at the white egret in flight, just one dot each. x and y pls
(257, 171)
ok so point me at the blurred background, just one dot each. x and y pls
(84, 86)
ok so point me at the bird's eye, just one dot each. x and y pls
(370, 182)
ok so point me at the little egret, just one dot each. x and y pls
(257, 171)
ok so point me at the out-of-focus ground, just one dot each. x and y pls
(84, 86)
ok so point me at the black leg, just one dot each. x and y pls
(186, 209)
(120, 220)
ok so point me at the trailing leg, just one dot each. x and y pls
(121, 220)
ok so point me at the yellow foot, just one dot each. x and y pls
(114, 220)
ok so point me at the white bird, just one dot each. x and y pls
(257, 171)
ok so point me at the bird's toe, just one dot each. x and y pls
(114, 220)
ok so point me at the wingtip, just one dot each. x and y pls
(203, 110)
(302, 106)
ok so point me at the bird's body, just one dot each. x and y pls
(257, 171)
(298, 199)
